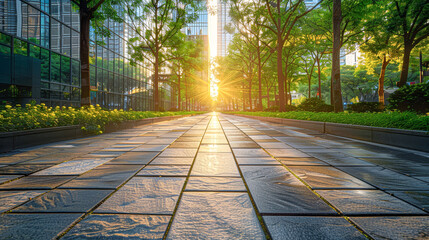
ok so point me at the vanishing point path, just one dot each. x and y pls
(214, 176)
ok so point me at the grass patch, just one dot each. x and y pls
(401, 120)
(91, 119)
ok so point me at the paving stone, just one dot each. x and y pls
(275, 190)
(189, 139)
(134, 158)
(215, 164)
(176, 152)
(285, 152)
(172, 161)
(324, 177)
(23, 169)
(34, 226)
(385, 178)
(10, 199)
(105, 154)
(371, 202)
(145, 195)
(233, 138)
(104, 177)
(162, 141)
(185, 144)
(418, 198)
(357, 152)
(258, 161)
(394, 227)
(65, 201)
(215, 148)
(36, 182)
(243, 144)
(150, 148)
(214, 141)
(403, 165)
(272, 145)
(53, 158)
(257, 152)
(5, 178)
(119, 226)
(202, 216)
(308, 228)
(302, 161)
(116, 149)
(73, 167)
(165, 171)
(340, 159)
(215, 184)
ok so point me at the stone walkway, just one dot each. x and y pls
(214, 177)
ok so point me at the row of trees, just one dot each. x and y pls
(157, 26)
(280, 46)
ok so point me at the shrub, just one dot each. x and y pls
(414, 98)
(275, 108)
(315, 105)
(365, 107)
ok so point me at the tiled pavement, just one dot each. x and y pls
(214, 177)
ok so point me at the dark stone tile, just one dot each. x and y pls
(340, 159)
(258, 161)
(53, 158)
(165, 171)
(320, 177)
(23, 169)
(65, 201)
(302, 161)
(308, 228)
(145, 195)
(418, 198)
(172, 161)
(10, 199)
(73, 167)
(107, 176)
(134, 158)
(202, 216)
(359, 152)
(119, 226)
(367, 202)
(5, 178)
(394, 227)
(34, 226)
(215, 164)
(278, 145)
(275, 190)
(36, 182)
(215, 184)
(286, 153)
(385, 178)
(150, 148)
(402, 165)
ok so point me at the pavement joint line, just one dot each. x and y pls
(314, 192)
(170, 222)
(89, 212)
(255, 208)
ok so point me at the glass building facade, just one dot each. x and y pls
(39, 59)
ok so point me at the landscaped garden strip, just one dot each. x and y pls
(92, 119)
(401, 120)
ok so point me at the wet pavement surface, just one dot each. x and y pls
(214, 176)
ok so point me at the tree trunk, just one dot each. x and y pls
(280, 74)
(335, 75)
(84, 58)
(244, 98)
(179, 96)
(405, 65)
(260, 108)
(319, 91)
(155, 82)
(286, 86)
(381, 80)
(250, 95)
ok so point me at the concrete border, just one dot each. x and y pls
(412, 139)
(21, 139)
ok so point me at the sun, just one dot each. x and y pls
(212, 32)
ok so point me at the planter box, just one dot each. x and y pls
(417, 140)
(22, 139)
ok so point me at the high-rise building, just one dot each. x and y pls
(223, 19)
(39, 59)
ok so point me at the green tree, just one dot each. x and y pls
(157, 24)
